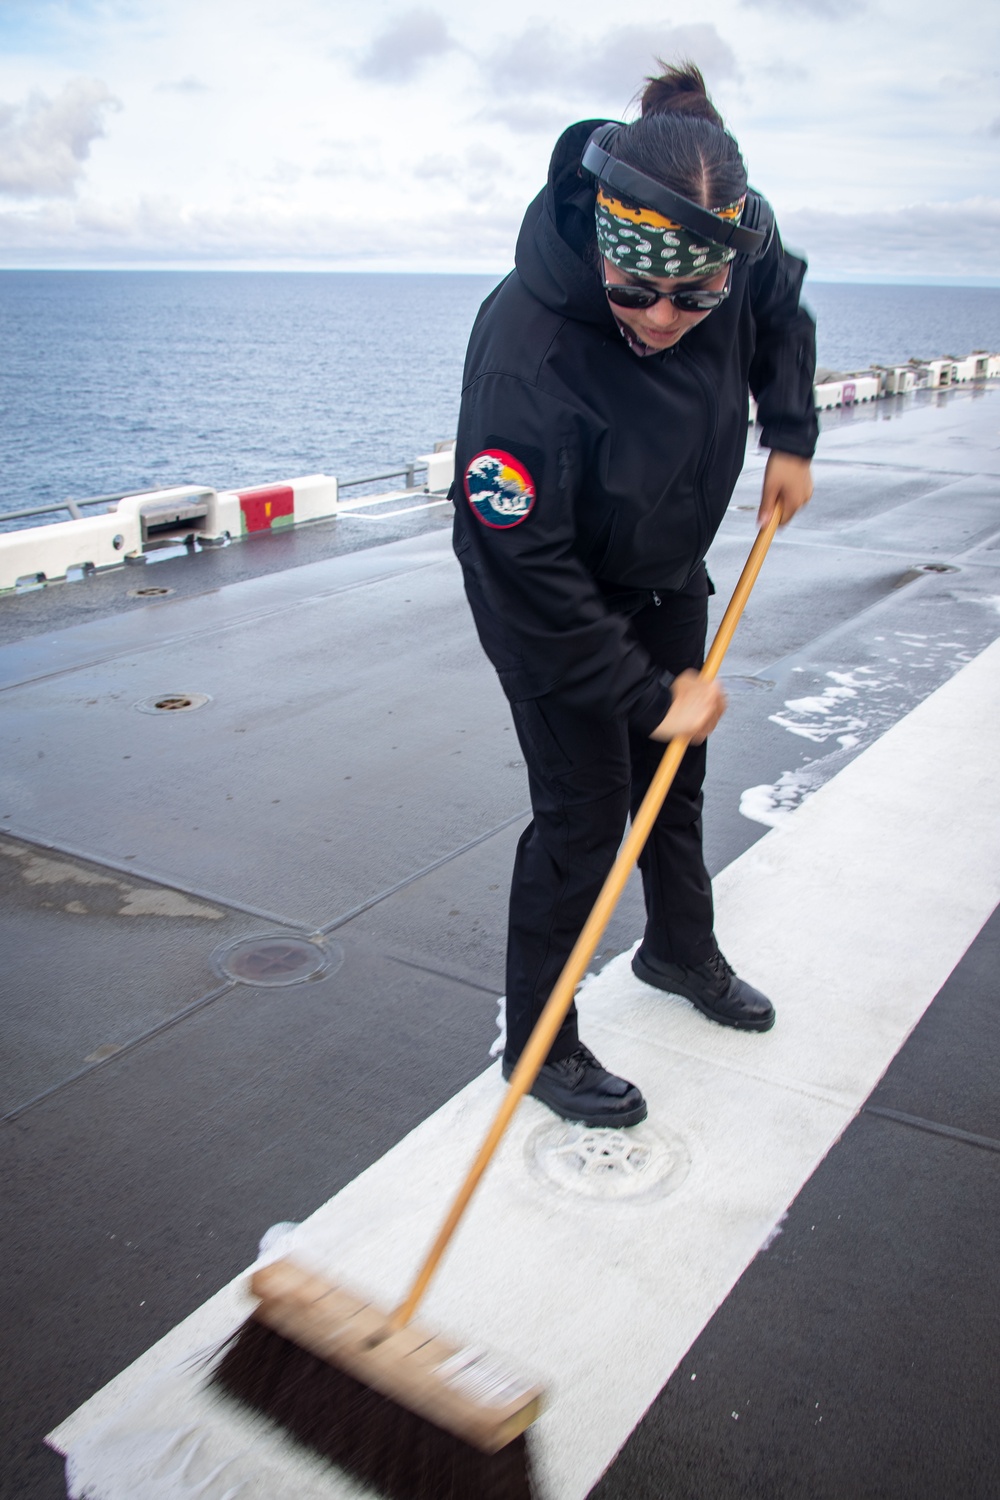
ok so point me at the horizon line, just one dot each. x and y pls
(823, 278)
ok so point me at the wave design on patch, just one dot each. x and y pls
(499, 488)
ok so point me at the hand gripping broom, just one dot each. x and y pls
(407, 1412)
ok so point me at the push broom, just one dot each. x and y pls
(404, 1411)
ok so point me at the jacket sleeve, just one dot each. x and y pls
(539, 612)
(783, 367)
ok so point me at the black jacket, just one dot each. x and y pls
(623, 466)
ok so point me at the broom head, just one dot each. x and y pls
(386, 1403)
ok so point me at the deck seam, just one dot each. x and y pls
(933, 1127)
(410, 963)
(205, 632)
(436, 864)
(139, 872)
(123, 1051)
(845, 627)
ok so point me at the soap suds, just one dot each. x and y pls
(851, 709)
(774, 805)
(500, 1041)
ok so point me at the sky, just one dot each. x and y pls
(318, 134)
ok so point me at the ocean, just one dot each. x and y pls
(127, 380)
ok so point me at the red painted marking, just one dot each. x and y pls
(262, 507)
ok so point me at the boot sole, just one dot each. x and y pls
(595, 1122)
(649, 976)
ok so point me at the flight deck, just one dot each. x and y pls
(255, 839)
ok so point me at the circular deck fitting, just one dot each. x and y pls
(637, 1165)
(739, 684)
(272, 960)
(173, 703)
(920, 570)
(154, 591)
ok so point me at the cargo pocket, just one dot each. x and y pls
(585, 752)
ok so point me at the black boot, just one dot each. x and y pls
(578, 1088)
(713, 986)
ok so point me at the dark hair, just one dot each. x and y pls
(680, 139)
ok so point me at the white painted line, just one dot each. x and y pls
(382, 497)
(851, 915)
(406, 511)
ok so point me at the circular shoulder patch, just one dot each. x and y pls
(499, 488)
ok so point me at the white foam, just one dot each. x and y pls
(876, 696)
(774, 804)
(500, 1040)
(819, 716)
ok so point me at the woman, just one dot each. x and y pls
(602, 430)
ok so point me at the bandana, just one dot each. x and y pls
(644, 243)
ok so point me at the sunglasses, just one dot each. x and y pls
(689, 299)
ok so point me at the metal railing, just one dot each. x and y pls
(75, 507)
(409, 472)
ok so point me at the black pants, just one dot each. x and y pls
(585, 775)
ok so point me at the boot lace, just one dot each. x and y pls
(721, 967)
(582, 1058)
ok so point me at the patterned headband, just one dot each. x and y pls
(644, 243)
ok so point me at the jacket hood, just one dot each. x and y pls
(557, 243)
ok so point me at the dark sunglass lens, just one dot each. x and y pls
(696, 301)
(630, 296)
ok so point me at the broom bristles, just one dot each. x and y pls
(372, 1437)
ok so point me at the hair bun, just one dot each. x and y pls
(679, 90)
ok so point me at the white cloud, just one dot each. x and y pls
(189, 85)
(448, 167)
(781, 72)
(915, 242)
(473, 176)
(626, 54)
(159, 231)
(317, 127)
(831, 10)
(530, 116)
(543, 60)
(398, 53)
(467, 231)
(44, 143)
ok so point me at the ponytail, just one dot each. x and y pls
(679, 90)
(681, 140)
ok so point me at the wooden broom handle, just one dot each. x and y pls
(552, 1017)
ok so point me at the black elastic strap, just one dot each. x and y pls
(634, 184)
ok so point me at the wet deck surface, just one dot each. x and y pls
(353, 778)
